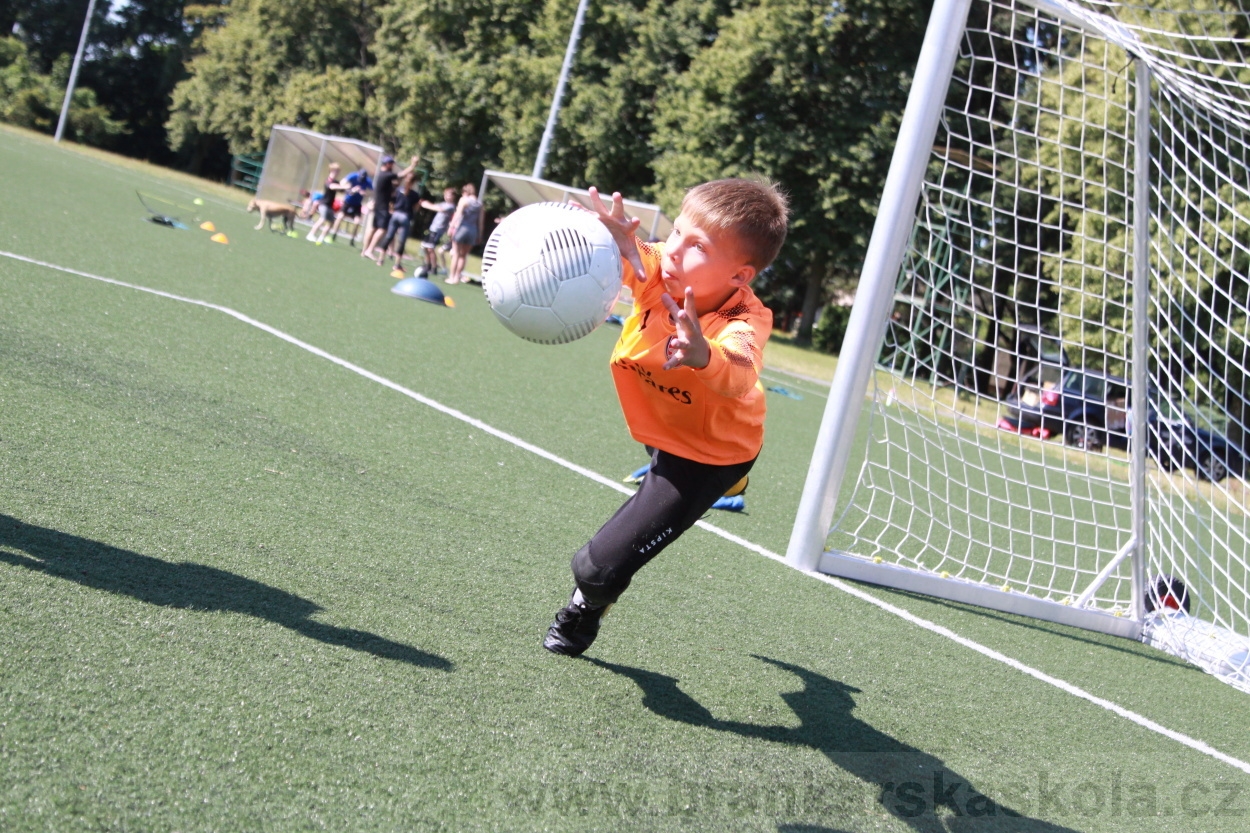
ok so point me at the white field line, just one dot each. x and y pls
(907, 616)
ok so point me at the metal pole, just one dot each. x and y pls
(871, 310)
(73, 73)
(264, 168)
(321, 158)
(1141, 334)
(550, 129)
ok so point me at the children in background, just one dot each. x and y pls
(467, 229)
(686, 370)
(438, 227)
(395, 237)
(384, 195)
(308, 203)
(353, 187)
(326, 210)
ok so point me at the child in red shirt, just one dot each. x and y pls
(687, 376)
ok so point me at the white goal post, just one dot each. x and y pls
(1060, 266)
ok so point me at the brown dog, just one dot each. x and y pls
(269, 209)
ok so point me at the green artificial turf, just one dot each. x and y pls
(244, 588)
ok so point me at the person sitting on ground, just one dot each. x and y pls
(307, 203)
(686, 369)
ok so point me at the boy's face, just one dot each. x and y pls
(707, 262)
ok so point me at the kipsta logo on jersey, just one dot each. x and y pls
(670, 347)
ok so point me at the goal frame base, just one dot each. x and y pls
(856, 568)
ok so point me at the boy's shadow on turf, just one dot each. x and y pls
(912, 784)
(185, 585)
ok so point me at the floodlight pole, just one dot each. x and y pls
(569, 54)
(73, 73)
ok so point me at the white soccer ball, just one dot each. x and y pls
(552, 272)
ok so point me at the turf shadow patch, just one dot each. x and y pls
(185, 585)
(915, 787)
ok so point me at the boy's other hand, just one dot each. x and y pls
(621, 227)
(691, 348)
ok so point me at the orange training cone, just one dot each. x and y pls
(207, 225)
(219, 238)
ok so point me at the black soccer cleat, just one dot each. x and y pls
(575, 627)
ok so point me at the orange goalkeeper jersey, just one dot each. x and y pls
(712, 415)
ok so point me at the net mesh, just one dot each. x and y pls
(1002, 412)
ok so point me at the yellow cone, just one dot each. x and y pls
(397, 274)
(449, 302)
(219, 238)
(207, 225)
(738, 488)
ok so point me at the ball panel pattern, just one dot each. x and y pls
(576, 296)
(537, 324)
(551, 272)
(490, 253)
(534, 285)
(503, 303)
(567, 253)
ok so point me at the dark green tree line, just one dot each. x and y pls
(136, 54)
(664, 94)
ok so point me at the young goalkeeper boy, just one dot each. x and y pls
(686, 370)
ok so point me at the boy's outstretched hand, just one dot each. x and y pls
(621, 227)
(691, 348)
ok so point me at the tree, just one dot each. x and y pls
(630, 55)
(441, 72)
(811, 96)
(259, 61)
(49, 28)
(136, 57)
(32, 99)
(1201, 257)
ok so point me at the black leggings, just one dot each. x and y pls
(674, 494)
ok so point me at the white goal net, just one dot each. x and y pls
(1061, 266)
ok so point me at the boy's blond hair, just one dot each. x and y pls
(755, 211)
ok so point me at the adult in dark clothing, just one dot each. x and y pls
(383, 193)
(407, 199)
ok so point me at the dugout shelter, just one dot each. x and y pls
(298, 158)
(525, 190)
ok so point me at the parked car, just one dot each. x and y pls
(1022, 350)
(1091, 410)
